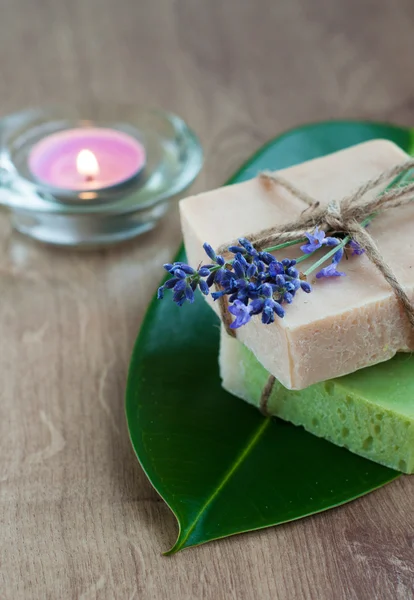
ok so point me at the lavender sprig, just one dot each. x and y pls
(255, 282)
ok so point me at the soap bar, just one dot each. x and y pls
(370, 412)
(346, 323)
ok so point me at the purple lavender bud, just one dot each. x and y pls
(338, 256)
(256, 306)
(204, 271)
(217, 295)
(179, 300)
(305, 287)
(219, 276)
(278, 309)
(357, 249)
(160, 293)
(189, 294)
(267, 258)
(179, 289)
(220, 260)
(241, 284)
(203, 287)
(288, 297)
(253, 288)
(239, 269)
(168, 267)
(180, 285)
(261, 267)
(237, 249)
(171, 283)
(243, 296)
(242, 260)
(330, 241)
(179, 273)
(249, 247)
(211, 278)
(267, 315)
(267, 290)
(280, 280)
(226, 278)
(276, 268)
(290, 286)
(187, 269)
(246, 244)
(286, 262)
(209, 251)
(292, 272)
(251, 270)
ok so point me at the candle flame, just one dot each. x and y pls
(86, 164)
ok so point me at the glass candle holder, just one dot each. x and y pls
(91, 177)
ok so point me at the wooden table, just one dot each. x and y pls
(78, 517)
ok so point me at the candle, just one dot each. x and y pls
(89, 158)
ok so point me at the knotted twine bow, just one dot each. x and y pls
(342, 216)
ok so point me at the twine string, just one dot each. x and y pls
(342, 216)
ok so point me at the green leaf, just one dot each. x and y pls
(220, 466)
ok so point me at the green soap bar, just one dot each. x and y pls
(370, 412)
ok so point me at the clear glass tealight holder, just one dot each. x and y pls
(111, 208)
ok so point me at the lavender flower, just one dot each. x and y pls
(255, 282)
(248, 247)
(204, 287)
(330, 271)
(241, 312)
(357, 249)
(185, 280)
(210, 251)
(338, 256)
(317, 240)
(267, 315)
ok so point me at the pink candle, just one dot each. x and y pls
(83, 159)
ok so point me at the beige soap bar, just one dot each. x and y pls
(346, 323)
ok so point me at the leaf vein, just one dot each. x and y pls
(227, 476)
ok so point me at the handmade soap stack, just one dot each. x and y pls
(334, 354)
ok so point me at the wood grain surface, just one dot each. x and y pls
(78, 517)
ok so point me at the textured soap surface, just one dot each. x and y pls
(370, 412)
(346, 323)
